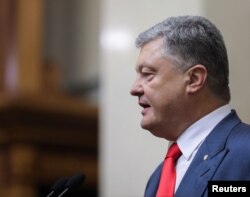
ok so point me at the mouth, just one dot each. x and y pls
(145, 106)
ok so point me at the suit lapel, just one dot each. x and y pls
(208, 158)
(152, 186)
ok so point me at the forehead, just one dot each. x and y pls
(150, 52)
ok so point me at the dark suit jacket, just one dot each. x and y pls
(228, 150)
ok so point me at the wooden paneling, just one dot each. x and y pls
(45, 139)
(43, 135)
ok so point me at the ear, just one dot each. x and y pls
(196, 78)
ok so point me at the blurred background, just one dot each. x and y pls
(66, 67)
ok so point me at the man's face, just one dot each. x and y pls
(160, 87)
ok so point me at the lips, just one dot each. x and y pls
(144, 104)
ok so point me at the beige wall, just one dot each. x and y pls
(234, 21)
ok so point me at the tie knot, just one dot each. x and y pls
(174, 151)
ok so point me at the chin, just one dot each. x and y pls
(147, 121)
(157, 134)
(152, 129)
(145, 125)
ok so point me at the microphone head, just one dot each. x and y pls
(75, 181)
(60, 184)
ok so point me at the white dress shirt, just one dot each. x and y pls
(191, 139)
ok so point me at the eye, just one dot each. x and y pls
(148, 73)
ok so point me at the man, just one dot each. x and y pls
(183, 87)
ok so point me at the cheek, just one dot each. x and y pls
(167, 95)
(161, 91)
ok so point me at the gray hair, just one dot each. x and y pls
(192, 40)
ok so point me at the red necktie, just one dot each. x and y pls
(168, 174)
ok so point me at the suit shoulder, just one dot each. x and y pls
(240, 137)
(241, 130)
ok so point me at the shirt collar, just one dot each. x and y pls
(195, 134)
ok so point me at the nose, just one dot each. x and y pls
(136, 89)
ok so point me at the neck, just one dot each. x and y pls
(195, 111)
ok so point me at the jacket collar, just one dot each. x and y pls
(207, 159)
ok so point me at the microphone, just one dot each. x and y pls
(72, 184)
(58, 186)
